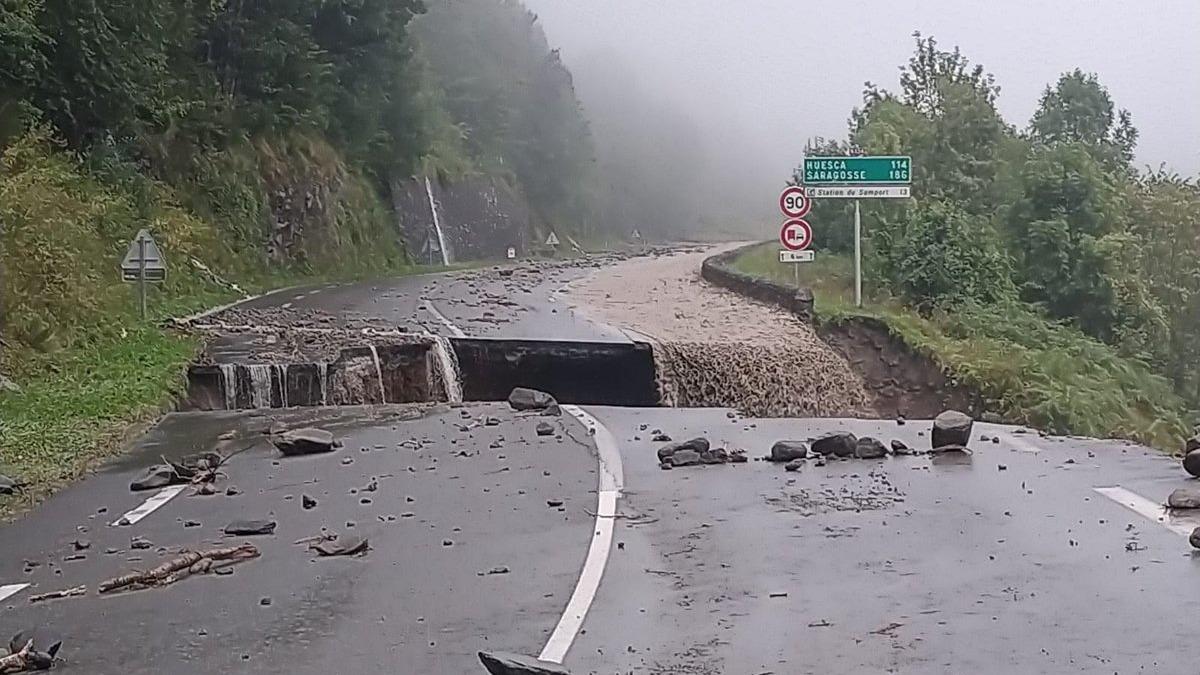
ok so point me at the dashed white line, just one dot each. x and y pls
(610, 484)
(9, 590)
(1147, 509)
(454, 330)
(149, 506)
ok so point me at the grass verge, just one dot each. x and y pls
(1029, 369)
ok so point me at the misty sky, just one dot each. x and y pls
(761, 76)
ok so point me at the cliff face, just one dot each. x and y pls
(480, 218)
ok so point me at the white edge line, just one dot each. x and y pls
(229, 305)
(454, 330)
(1144, 507)
(10, 590)
(611, 481)
(149, 506)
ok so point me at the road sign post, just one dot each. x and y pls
(796, 236)
(861, 177)
(143, 262)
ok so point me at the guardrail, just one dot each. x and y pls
(718, 270)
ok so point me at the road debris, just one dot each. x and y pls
(501, 663)
(1194, 538)
(951, 431)
(188, 563)
(523, 398)
(200, 469)
(250, 528)
(1184, 498)
(54, 595)
(308, 503)
(787, 451)
(305, 441)
(697, 451)
(9, 486)
(794, 465)
(869, 448)
(348, 546)
(23, 656)
(545, 429)
(900, 448)
(1191, 460)
(839, 444)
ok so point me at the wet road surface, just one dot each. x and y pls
(1006, 560)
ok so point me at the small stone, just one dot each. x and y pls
(306, 441)
(900, 420)
(232, 491)
(140, 543)
(869, 448)
(554, 503)
(447, 542)
(900, 448)
(787, 451)
(191, 523)
(491, 422)
(666, 465)
(1184, 498)
(265, 602)
(347, 460)
(523, 398)
(1002, 467)
(249, 528)
(81, 544)
(307, 502)
(660, 437)
(545, 429)
(794, 465)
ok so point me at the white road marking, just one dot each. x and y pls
(454, 330)
(149, 506)
(610, 485)
(1148, 509)
(9, 590)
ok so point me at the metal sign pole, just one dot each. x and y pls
(857, 255)
(142, 275)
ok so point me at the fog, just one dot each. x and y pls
(727, 93)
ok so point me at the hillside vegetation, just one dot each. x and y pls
(259, 143)
(1037, 263)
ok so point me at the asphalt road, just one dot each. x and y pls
(1006, 560)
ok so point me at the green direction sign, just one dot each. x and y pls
(857, 170)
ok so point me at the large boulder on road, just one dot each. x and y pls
(307, 441)
(786, 451)
(951, 430)
(1191, 463)
(840, 443)
(501, 663)
(523, 398)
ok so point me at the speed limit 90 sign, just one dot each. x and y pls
(794, 202)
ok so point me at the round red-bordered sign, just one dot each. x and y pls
(796, 235)
(794, 202)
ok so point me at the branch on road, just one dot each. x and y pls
(190, 562)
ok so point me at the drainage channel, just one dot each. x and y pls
(433, 369)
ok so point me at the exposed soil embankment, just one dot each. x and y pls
(898, 379)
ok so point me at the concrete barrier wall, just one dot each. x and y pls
(719, 270)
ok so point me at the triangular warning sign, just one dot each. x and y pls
(147, 248)
(552, 240)
(637, 234)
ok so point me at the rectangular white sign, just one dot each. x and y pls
(860, 192)
(795, 256)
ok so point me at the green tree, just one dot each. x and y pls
(1078, 109)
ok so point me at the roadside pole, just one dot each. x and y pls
(142, 277)
(857, 255)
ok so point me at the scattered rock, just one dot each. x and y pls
(698, 445)
(250, 528)
(666, 465)
(501, 569)
(265, 602)
(306, 441)
(501, 663)
(900, 448)
(491, 422)
(787, 451)
(522, 398)
(307, 502)
(840, 443)
(81, 544)
(155, 477)
(951, 430)
(191, 523)
(660, 437)
(8, 485)
(685, 458)
(1184, 498)
(545, 429)
(1194, 538)
(554, 503)
(232, 491)
(1191, 463)
(900, 420)
(869, 448)
(140, 543)
(343, 546)
(794, 465)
